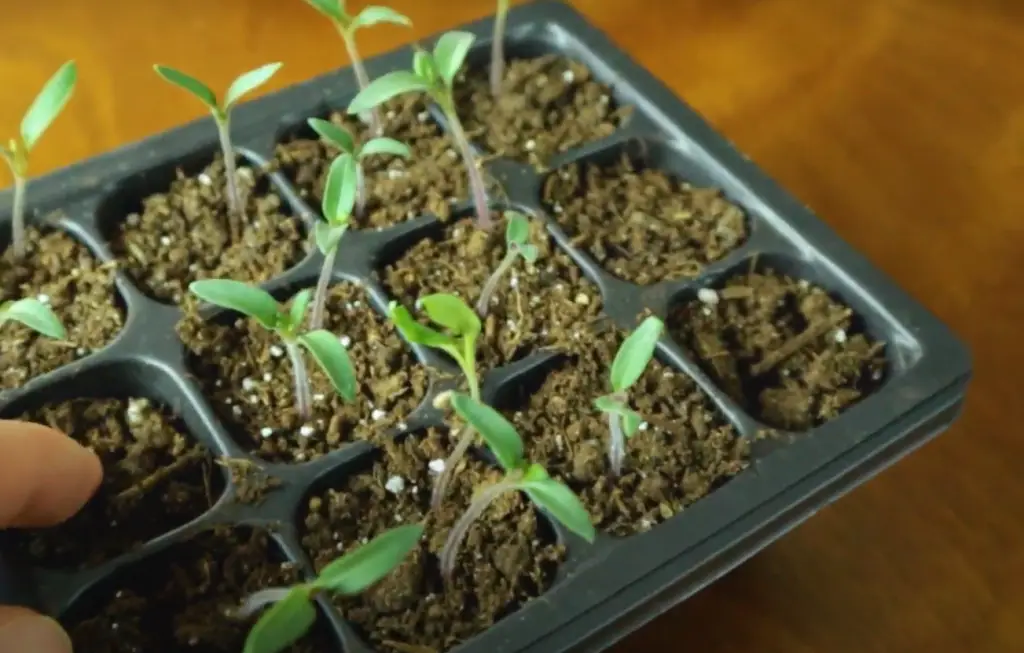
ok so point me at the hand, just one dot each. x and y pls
(45, 478)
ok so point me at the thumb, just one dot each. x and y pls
(24, 631)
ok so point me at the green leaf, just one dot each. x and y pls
(376, 15)
(607, 404)
(328, 235)
(501, 436)
(333, 133)
(330, 8)
(190, 84)
(333, 359)
(452, 313)
(415, 332)
(517, 230)
(559, 501)
(630, 418)
(529, 252)
(424, 66)
(631, 421)
(340, 189)
(283, 624)
(635, 353)
(386, 87)
(297, 309)
(49, 103)
(35, 315)
(355, 571)
(237, 296)
(450, 53)
(385, 145)
(247, 82)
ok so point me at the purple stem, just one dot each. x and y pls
(492, 282)
(461, 447)
(617, 443)
(316, 320)
(360, 190)
(450, 552)
(498, 49)
(476, 182)
(235, 208)
(302, 398)
(18, 223)
(362, 78)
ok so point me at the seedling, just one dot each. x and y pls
(498, 48)
(343, 140)
(324, 346)
(462, 328)
(292, 612)
(347, 25)
(631, 360)
(41, 113)
(35, 315)
(221, 111)
(552, 496)
(517, 234)
(434, 74)
(339, 196)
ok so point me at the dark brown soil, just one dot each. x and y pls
(247, 377)
(507, 559)
(547, 306)
(59, 270)
(185, 234)
(179, 600)
(548, 105)
(641, 224)
(397, 189)
(686, 449)
(782, 348)
(155, 478)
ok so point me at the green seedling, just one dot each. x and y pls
(221, 111)
(631, 360)
(550, 495)
(347, 25)
(461, 330)
(338, 199)
(498, 48)
(35, 315)
(433, 74)
(517, 234)
(292, 612)
(286, 322)
(40, 115)
(343, 140)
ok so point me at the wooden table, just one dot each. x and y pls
(900, 121)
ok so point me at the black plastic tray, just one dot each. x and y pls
(615, 585)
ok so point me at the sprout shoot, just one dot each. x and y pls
(548, 494)
(339, 196)
(221, 111)
(292, 612)
(630, 362)
(434, 73)
(35, 315)
(498, 48)
(347, 25)
(517, 233)
(463, 328)
(258, 304)
(40, 115)
(340, 138)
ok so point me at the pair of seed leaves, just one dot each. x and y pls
(242, 85)
(336, 11)
(629, 364)
(44, 109)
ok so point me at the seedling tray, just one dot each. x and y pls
(602, 591)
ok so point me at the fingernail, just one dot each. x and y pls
(35, 634)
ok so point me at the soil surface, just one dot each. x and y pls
(542, 305)
(790, 354)
(155, 478)
(246, 375)
(181, 599)
(186, 233)
(547, 105)
(507, 558)
(641, 224)
(59, 270)
(685, 449)
(397, 189)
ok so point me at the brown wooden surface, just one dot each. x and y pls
(900, 121)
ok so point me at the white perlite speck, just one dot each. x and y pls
(266, 431)
(436, 465)
(205, 180)
(568, 77)
(839, 336)
(43, 298)
(395, 174)
(345, 341)
(134, 412)
(643, 426)
(708, 296)
(604, 99)
(395, 484)
(513, 282)
(165, 240)
(248, 384)
(81, 351)
(236, 411)
(423, 116)
(319, 397)
(267, 376)
(530, 145)
(390, 114)
(276, 351)
(378, 414)
(306, 430)
(402, 426)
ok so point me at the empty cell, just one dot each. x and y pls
(397, 189)
(509, 556)
(247, 376)
(156, 477)
(171, 225)
(683, 449)
(640, 221)
(185, 599)
(790, 353)
(533, 305)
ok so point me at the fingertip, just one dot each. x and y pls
(24, 631)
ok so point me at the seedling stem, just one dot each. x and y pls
(498, 48)
(517, 233)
